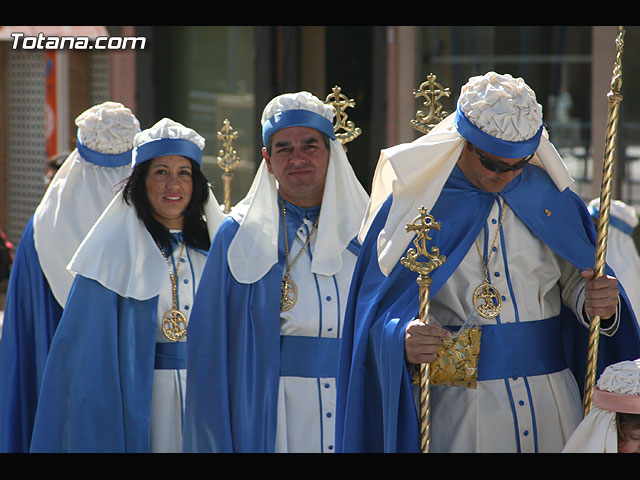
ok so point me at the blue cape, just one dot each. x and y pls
(376, 410)
(30, 318)
(233, 353)
(96, 389)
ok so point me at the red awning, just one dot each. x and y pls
(54, 31)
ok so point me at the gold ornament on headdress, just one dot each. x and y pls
(340, 103)
(432, 92)
(228, 160)
(614, 98)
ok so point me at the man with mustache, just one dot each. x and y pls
(267, 320)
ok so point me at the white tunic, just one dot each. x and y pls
(307, 406)
(521, 414)
(169, 386)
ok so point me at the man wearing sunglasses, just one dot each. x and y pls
(519, 247)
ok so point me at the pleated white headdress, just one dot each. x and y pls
(509, 124)
(82, 188)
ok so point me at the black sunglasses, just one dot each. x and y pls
(500, 167)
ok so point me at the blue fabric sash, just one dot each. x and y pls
(171, 356)
(521, 349)
(309, 356)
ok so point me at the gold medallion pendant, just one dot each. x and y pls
(289, 294)
(487, 301)
(174, 325)
(486, 298)
(289, 291)
(174, 322)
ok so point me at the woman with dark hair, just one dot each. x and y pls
(115, 378)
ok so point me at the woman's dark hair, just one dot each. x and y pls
(194, 230)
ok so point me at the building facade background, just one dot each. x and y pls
(202, 75)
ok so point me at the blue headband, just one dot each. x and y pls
(103, 159)
(297, 118)
(491, 144)
(167, 146)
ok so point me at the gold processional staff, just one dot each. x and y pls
(614, 98)
(228, 158)
(421, 226)
(456, 363)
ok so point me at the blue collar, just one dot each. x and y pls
(300, 213)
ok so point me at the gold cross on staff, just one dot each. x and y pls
(340, 103)
(227, 160)
(432, 92)
(422, 225)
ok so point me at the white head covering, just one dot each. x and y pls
(254, 250)
(499, 114)
(119, 252)
(622, 254)
(81, 189)
(617, 390)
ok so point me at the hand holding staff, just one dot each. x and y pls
(614, 98)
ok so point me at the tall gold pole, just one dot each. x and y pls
(421, 225)
(227, 160)
(340, 103)
(614, 98)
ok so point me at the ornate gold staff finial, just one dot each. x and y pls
(227, 160)
(421, 225)
(340, 103)
(614, 98)
(432, 92)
